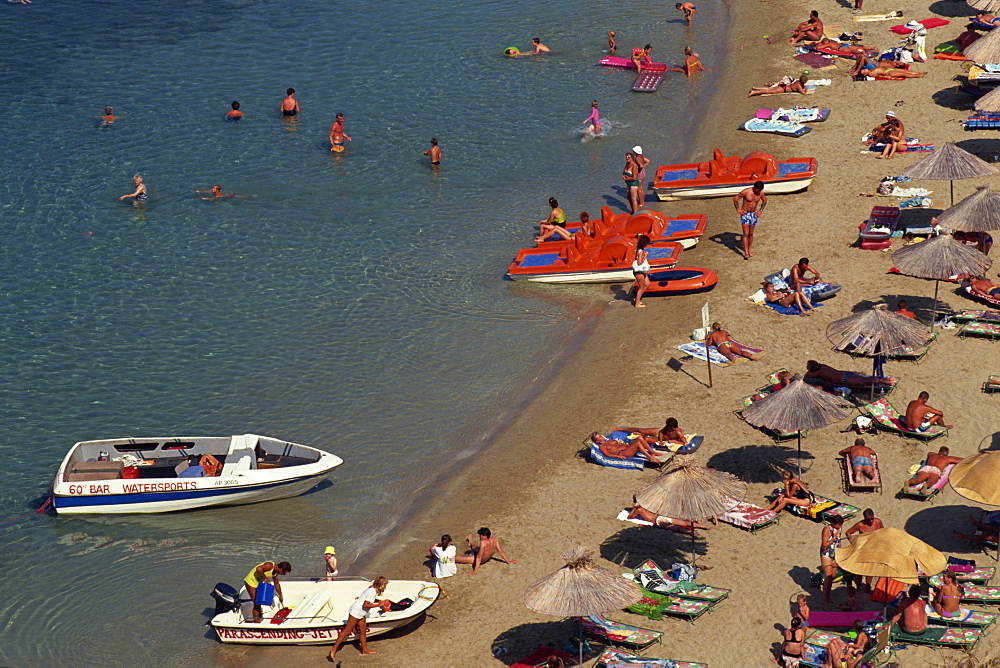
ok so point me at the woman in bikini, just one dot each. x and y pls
(630, 175)
(795, 493)
(784, 85)
(793, 647)
(726, 346)
(828, 541)
(640, 270)
(947, 596)
(555, 224)
(772, 295)
(692, 63)
(664, 522)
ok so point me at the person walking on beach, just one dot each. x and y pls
(434, 152)
(479, 554)
(593, 121)
(337, 135)
(265, 572)
(640, 270)
(688, 8)
(750, 203)
(290, 106)
(140, 190)
(330, 562)
(234, 114)
(358, 614)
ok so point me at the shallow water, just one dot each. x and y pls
(353, 302)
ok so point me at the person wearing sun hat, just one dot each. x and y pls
(641, 162)
(329, 556)
(915, 41)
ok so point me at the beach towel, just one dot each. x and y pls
(785, 128)
(623, 516)
(697, 349)
(839, 619)
(747, 515)
(934, 22)
(637, 463)
(617, 658)
(864, 18)
(886, 590)
(618, 632)
(796, 114)
(789, 310)
(817, 61)
(540, 657)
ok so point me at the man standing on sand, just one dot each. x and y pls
(869, 523)
(747, 202)
(337, 135)
(920, 416)
(290, 106)
(483, 552)
(434, 152)
(688, 9)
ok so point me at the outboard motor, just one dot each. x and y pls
(227, 599)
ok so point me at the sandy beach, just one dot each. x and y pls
(541, 496)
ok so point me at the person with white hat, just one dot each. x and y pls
(892, 133)
(330, 557)
(915, 41)
(635, 196)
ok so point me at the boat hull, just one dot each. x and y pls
(672, 194)
(610, 276)
(324, 634)
(681, 281)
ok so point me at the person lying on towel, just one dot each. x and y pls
(828, 374)
(620, 450)
(985, 288)
(670, 524)
(784, 85)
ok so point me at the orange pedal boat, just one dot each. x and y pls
(725, 177)
(686, 229)
(587, 260)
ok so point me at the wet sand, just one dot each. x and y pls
(539, 494)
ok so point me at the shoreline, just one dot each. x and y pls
(534, 487)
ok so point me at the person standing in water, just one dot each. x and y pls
(337, 135)
(612, 44)
(594, 129)
(688, 8)
(235, 114)
(434, 152)
(109, 116)
(140, 190)
(641, 162)
(290, 106)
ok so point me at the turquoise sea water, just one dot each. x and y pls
(353, 302)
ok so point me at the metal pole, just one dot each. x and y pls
(708, 356)
(937, 284)
(952, 183)
(800, 452)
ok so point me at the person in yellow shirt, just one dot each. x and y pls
(265, 572)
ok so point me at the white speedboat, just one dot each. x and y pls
(318, 611)
(157, 475)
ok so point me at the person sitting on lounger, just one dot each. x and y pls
(920, 416)
(619, 450)
(726, 346)
(668, 523)
(811, 29)
(670, 432)
(795, 493)
(984, 288)
(987, 533)
(947, 596)
(783, 85)
(786, 298)
(831, 376)
(929, 474)
(861, 459)
(912, 614)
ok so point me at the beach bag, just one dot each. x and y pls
(956, 565)
(401, 604)
(683, 572)
(887, 185)
(265, 594)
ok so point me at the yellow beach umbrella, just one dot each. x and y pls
(978, 478)
(890, 553)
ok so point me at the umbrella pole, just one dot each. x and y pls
(799, 434)
(951, 183)
(937, 284)
(580, 638)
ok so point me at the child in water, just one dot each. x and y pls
(594, 121)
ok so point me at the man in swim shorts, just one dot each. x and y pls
(434, 152)
(920, 416)
(750, 203)
(985, 287)
(337, 135)
(290, 106)
(798, 275)
(479, 554)
(688, 9)
(612, 44)
(912, 615)
(861, 459)
(930, 472)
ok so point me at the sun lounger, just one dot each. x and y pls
(822, 508)
(651, 577)
(973, 315)
(888, 418)
(654, 606)
(972, 593)
(936, 636)
(750, 517)
(540, 657)
(841, 619)
(636, 463)
(618, 633)
(852, 485)
(990, 330)
(976, 619)
(878, 389)
(980, 575)
(818, 641)
(982, 24)
(917, 493)
(992, 384)
(615, 658)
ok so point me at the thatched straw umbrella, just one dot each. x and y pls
(877, 332)
(796, 407)
(890, 553)
(979, 212)
(580, 588)
(685, 490)
(990, 101)
(940, 258)
(948, 164)
(986, 49)
(978, 478)
(991, 6)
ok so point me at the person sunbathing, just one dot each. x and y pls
(987, 532)
(620, 450)
(783, 85)
(912, 612)
(786, 298)
(920, 416)
(829, 375)
(863, 67)
(929, 474)
(668, 523)
(861, 459)
(984, 287)
(947, 596)
(670, 432)
(784, 378)
(845, 48)
(811, 29)
(795, 493)
(987, 18)
(726, 346)
(885, 68)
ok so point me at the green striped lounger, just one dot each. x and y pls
(615, 658)
(971, 618)
(937, 636)
(990, 330)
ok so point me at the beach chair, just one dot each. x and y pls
(889, 419)
(817, 642)
(613, 658)
(851, 485)
(976, 619)
(973, 315)
(618, 633)
(651, 577)
(970, 574)
(750, 517)
(990, 330)
(917, 493)
(939, 636)
(992, 384)
(540, 657)
(654, 606)
(822, 509)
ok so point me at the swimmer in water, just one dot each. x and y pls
(109, 116)
(216, 193)
(594, 130)
(235, 114)
(337, 135)
(612, 44)
(290, 106)
(140, 190)
(538, 47)
(434, 152)
(691, 63)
